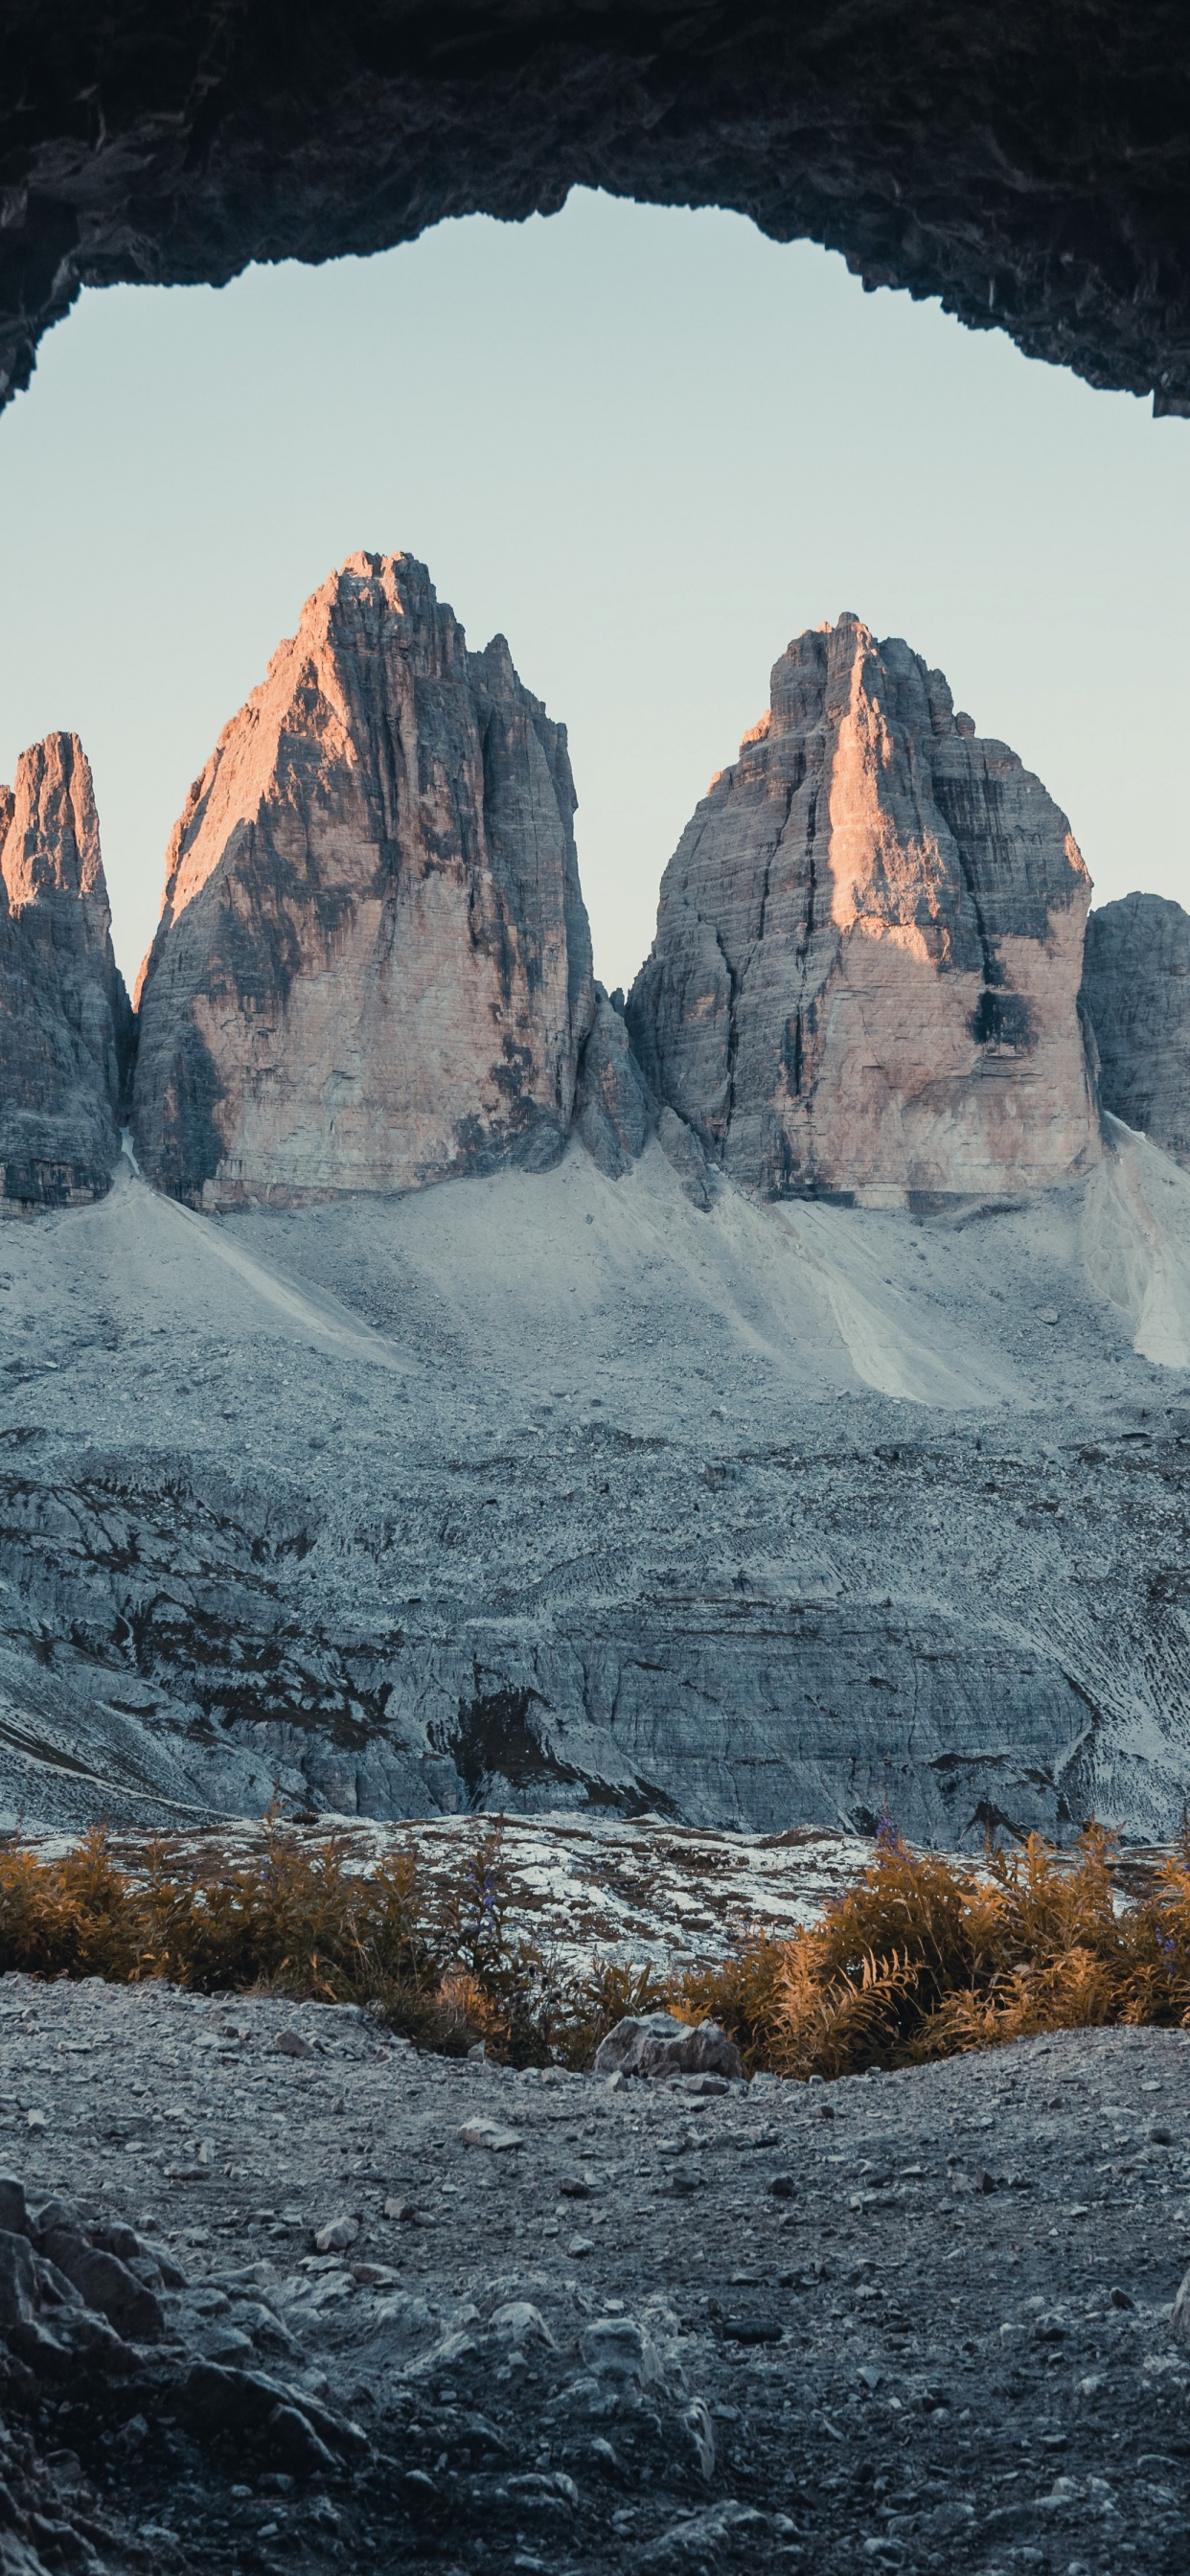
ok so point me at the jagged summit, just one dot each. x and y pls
(65, 1022)
(869, 939)
(373, 964)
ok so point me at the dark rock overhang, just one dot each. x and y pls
(1029, 165)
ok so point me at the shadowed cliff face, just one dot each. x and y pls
(1030, 167)
(869, 943)
(373, 965)
(65, 1022)
(1136, 988)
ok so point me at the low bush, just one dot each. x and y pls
(920, 1958)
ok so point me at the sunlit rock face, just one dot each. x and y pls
(373, 966)
(1136, 989)
(869, 943)
(65, 1021)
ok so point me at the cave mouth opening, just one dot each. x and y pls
(1030, 169)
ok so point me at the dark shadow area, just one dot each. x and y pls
(1030, 167)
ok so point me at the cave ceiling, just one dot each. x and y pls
(1029, 165)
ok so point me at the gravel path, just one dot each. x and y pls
(915, 2321)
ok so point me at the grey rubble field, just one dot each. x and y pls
(544, 1490)
(918, 2321)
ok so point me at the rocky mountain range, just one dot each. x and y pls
(777, 1409)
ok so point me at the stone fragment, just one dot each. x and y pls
(579, 2247)
(699, 2538)
(518, 2322)
(336, 2235)
(866, 970)
(65, 1019)
(657, 2044)
(106, 2284)
(1179, 2322)
(695, 2421)
(614, 1109)
(618, 2348)
(492, 2134)
(290, 2438)
(18, 2278)
(373, 967)
(13, 2214)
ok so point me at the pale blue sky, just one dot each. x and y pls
(648, 445)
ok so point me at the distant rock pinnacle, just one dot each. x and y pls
(373, 966)
(866, 970)
(65, 1021)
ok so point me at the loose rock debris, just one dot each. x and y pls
(243, 2329)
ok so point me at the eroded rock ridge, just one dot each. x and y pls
(65, 1020)
(869, 945)
(373, 966)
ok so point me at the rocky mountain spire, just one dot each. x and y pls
(1136, 989)
(373, 966)
(866, 970)
(65, 1021)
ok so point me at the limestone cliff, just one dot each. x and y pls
(869, 940)
(1136, 989)
(65, 1022)
(373, 966)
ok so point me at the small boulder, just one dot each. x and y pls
(1179, 2323)
(658, 2044)
(492, 2134)
(337, 2234)
(18, 2278)
(13, 2216)
(617, 2348)
(105, 2283)
(519, 2323)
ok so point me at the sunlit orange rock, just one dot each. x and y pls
(373, 966)
(869, 941)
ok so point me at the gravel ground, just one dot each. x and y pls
(915, 2321)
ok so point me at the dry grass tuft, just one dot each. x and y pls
(447, 1966)
(921, 1958)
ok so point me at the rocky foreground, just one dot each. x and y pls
(302, 2296)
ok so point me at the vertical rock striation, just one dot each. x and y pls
(869, 940)
(1136, 989)
(373, 966)
(65, 1021)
